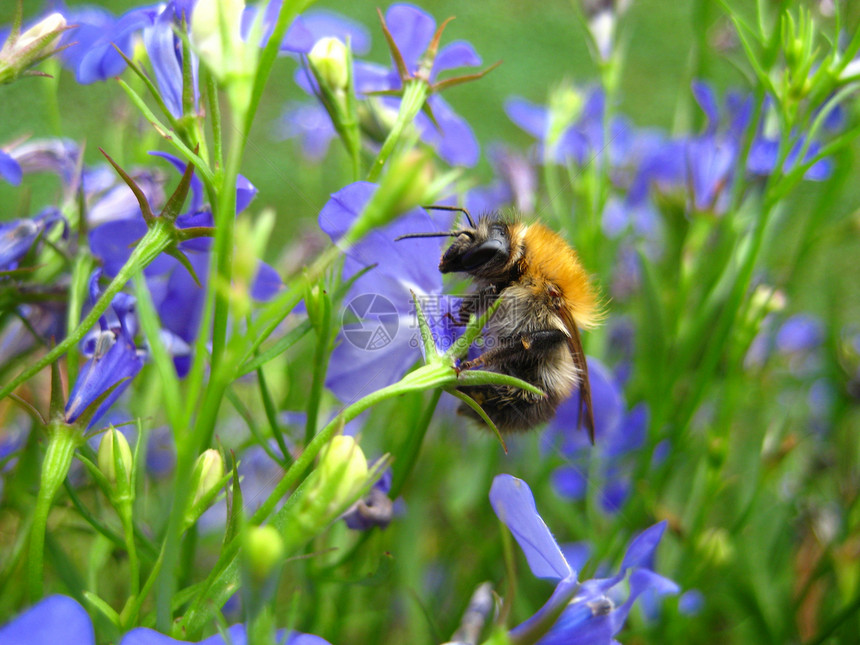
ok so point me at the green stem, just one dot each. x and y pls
(409, 455)
(156, 240)
(132, 609)
(225, 219)
(58, 459)
(414, 95)
(321, 353)
(133, 560)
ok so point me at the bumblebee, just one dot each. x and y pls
(547, 296)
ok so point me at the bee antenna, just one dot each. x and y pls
(458, 209)
(412, 235)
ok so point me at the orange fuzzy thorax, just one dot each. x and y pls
(549, 258)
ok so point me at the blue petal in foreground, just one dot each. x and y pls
(56, 619)
(514, 504)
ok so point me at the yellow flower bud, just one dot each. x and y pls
(329, 58)
(264, 550)
(342, 468)
(208, 472)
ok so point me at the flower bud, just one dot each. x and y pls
(715, 546)
(263, 551)
(565, 107)
(207, 476)
(114, 458)
(330, 60)
(215, 31)
(342, 469)
(20, 52)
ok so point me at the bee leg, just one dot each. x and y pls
(512, 347)
(456, 323)
(477, 303)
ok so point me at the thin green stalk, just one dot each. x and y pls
(414, 95)
(132, 609)
(214, 119)
(225, 220)
(321, 354)
(166, 578)
(131, 549)
(272, 416)
(156, 240)
(409, 455)
(58, 459)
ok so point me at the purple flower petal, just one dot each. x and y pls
(266, 283)
(298, 38)
(453, 139)
(113, 242)
(17, 237)
(640, 553)
(310, 123)
(706, 99)
(56, 619)
(322, 23)
(453, 55)
(570, 482)
(236, 635)
(799, 333)
(9, 169)
(378, 341)
(161, 49)
(119, 362)
(514, 504)
(196, 184)
(368, 77)
(641, 581)
(530, 117)
(101, 61)
(412, 30)
(344, 206)
(245, 193)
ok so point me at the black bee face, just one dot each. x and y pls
(483, 251)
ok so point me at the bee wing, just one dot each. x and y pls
(574, 342)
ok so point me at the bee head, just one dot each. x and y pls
(483, 251)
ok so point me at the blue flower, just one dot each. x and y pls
(618, 432)
(571, 132)
(412, 30)
(236, 635)
(112, 242)
(164, 50)
(17, 237)
(307, 29)
(800, 333)
(10, 170)
(311, 124)
(375, 509)
(379, 339)
(91, 55)
(56, 156)
(56, 619)
(60, 619)
(113, 358)
(591, 617)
